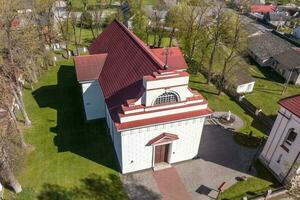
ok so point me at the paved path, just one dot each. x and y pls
(220, 159)
(170, 185)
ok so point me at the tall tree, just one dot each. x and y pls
(17, 65)
(139, 18)
(233, 41)
(192, 24)
(216, 30)
(172, 22)
(65, 27)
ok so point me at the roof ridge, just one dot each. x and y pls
(135, 39)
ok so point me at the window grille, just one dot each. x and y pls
(167, 97)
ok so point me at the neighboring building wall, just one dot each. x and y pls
(277, 154)
(93, 100)
(138, 155)
(295, 78)
(262, 63)
(245, 88)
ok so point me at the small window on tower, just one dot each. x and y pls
(291, 136)
(167, 97)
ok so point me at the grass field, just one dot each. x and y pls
(253, 186)
(225, 103)
(70, 159)
(268, 89)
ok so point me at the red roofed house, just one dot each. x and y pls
(262, 9)
(154, 119)
(281, 153)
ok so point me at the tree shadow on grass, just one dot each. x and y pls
(73, 134)
(92, 187)
(96, 187)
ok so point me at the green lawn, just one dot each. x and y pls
(253, 186)
(264, 179)
(225, 103)
(268, 88)
(69, 159)
(164, 43)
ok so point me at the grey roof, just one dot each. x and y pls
(242, 76)
(289, 59)
(266, 45)
(278, 16)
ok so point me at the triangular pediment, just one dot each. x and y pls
(163, 138)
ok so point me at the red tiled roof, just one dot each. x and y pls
(258, 8)
(162, 138)
(168, 118)
(128, 60)
(292, 104)
(175, 57)
(89, 67)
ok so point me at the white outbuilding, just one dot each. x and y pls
(154, 118)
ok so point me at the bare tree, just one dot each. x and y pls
(215, 30)
(64, 26)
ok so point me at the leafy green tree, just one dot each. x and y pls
(192, 24)
(139, 18)
(233, 41)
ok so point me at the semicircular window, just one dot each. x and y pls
(167, 97)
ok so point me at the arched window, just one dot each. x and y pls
(167, 97)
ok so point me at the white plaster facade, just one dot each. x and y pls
(138, 155)
(131, 144)
(280, 154)
(93, 100)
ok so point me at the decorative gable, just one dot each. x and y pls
(163, 138)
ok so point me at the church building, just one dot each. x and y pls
(281, 153)
(154, 118)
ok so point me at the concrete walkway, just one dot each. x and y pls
(220, 159)
(170, 185)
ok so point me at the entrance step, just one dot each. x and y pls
(161, 166)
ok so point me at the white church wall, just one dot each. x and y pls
(162, 113)
(138, 155)
(273, 154)
(115, 136)
(154, 89)
(93, 100)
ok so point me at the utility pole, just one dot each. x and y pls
(287, 82)
(289, 79)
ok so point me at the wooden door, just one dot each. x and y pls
(161, 153)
